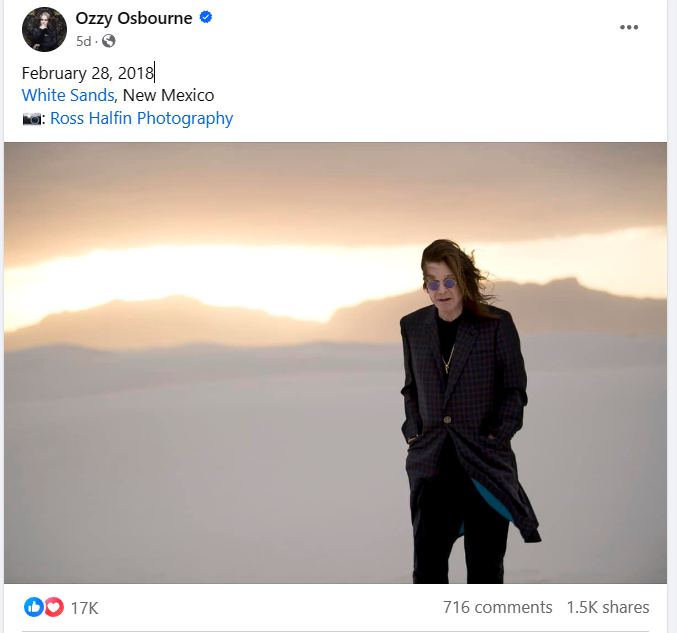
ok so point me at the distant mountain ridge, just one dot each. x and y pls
(559, 306)
(562, 305)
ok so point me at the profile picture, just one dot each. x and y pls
(44, 29)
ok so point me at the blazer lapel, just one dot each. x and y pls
(465, 340)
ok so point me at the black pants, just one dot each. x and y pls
(437, 513)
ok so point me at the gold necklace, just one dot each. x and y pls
(446, 364)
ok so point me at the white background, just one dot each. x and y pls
(324, 608)
(377, 71)
(302, 70)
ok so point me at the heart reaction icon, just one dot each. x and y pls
(53, 607)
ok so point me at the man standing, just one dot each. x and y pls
(464, 395)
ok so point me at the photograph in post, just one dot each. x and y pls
(335, 363)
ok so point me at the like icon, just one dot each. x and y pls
(34, 607)
(53, 607)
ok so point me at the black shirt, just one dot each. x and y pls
(46, 38)
(447, 332)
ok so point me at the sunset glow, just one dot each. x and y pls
(310, 283)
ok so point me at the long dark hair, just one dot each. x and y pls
(469, 278)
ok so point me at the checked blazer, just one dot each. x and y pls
(485, 394)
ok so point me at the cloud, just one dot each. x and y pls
(66, 200)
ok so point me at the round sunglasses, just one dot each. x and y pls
(435, 285)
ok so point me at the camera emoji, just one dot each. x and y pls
(32, 118)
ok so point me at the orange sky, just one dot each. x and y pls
(86, 223)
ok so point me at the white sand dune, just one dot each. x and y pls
(209, 464)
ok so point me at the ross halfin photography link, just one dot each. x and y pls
(119, 118)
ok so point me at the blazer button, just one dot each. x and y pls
(447, 420)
